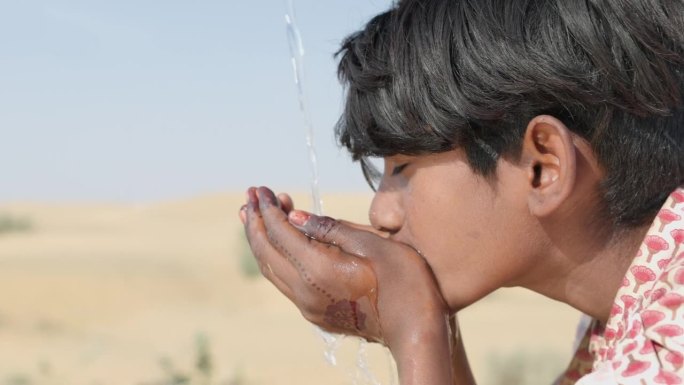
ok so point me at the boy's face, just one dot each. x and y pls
(476, 233)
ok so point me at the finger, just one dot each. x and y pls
(357, 226)
(368, 228)
(286, 202)
(326, 268)
(268, 273)
(350, 239)
(304, 254)
(272, 264)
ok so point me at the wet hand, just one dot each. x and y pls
(341, 276)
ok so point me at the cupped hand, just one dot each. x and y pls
(341, 276)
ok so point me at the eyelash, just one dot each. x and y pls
(397, 170)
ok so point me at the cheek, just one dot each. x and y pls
(469, 240)
(449, 230)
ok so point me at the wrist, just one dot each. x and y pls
(422, 353)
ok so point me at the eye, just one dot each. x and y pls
(398, 169)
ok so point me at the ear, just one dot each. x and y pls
(548, 152)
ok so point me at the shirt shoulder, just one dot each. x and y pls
(643, 340)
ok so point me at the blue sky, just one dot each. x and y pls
(145, 100)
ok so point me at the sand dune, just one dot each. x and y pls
(99, 294)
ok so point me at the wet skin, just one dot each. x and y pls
(331, 269)
(352, 280)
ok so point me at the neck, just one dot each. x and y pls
(586, 270)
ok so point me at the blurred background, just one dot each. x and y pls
(129, 132)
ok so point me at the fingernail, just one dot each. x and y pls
(299, 218)
(267, 196)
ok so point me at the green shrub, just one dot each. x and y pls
(18, 379)
(201, 372)
(10, 223)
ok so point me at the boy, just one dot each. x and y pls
(525, 143)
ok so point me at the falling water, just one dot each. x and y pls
(297, 57)
(294, 40)
(363, 374)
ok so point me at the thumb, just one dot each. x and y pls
(369, 228)
(351, 239)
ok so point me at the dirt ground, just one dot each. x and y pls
(114, 294)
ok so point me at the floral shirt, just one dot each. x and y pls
(643, 340)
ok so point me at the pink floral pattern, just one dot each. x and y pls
(643, 341)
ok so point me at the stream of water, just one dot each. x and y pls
(294, 41)
(363, 374)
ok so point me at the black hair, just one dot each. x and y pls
(429, 76)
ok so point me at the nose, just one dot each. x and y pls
(385, 212)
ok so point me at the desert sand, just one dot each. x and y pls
(114, 293)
